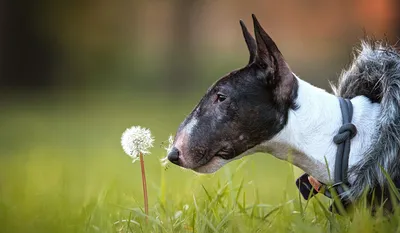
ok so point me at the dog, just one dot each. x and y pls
(265, 107)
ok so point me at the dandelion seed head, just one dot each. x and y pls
(164, 161)
(178, 214)
(136, 140)
(170, 144)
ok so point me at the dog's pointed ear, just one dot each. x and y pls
(267, 51)
(273, 66)
(250, 42)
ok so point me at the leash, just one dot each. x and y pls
(309, 186)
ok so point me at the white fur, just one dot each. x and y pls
(186, 133)
(190, 126)
(184, 137)
(311, 128)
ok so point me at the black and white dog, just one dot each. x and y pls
(265, 107)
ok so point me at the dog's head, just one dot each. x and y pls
(240, 111)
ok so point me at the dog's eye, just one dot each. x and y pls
(220, 98)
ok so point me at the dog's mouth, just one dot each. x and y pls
(213, 165)
(225, 153)
(219, 159)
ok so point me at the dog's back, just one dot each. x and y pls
(375, 73)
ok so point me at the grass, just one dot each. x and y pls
(62, 170)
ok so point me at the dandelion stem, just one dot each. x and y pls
(146, 201)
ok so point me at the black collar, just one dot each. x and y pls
(346, 132)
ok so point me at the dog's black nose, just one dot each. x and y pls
(173, 155)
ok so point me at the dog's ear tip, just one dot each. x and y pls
(250, 42)
(257, 25)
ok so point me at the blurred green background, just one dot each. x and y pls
(75, 74)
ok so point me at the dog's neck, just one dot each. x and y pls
(307, 139)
